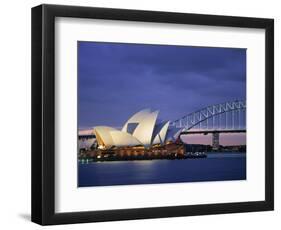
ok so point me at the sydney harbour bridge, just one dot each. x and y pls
(227, 117)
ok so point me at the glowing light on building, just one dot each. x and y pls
(142, 129)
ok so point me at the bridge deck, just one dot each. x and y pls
(214, 131)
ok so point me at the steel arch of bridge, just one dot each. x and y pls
(193, 119)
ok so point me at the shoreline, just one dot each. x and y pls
(143, 158)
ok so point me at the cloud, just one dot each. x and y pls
(116, 80)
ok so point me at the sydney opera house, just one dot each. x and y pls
(142, 129)
(142, 135)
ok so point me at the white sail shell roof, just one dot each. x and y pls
(108, 137)
(140, 129)
(124, 139)
(160, 132)
(103, 135)
(144, 130)
(136, 119)
(172, 134)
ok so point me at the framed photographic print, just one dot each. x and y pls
(142, 114)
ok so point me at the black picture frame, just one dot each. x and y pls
(43, 114)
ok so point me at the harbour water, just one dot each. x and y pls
(216, 167)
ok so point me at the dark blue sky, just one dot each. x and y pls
(115, 80)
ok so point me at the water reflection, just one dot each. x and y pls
(216, 167)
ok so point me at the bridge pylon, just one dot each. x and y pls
(216, 141)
